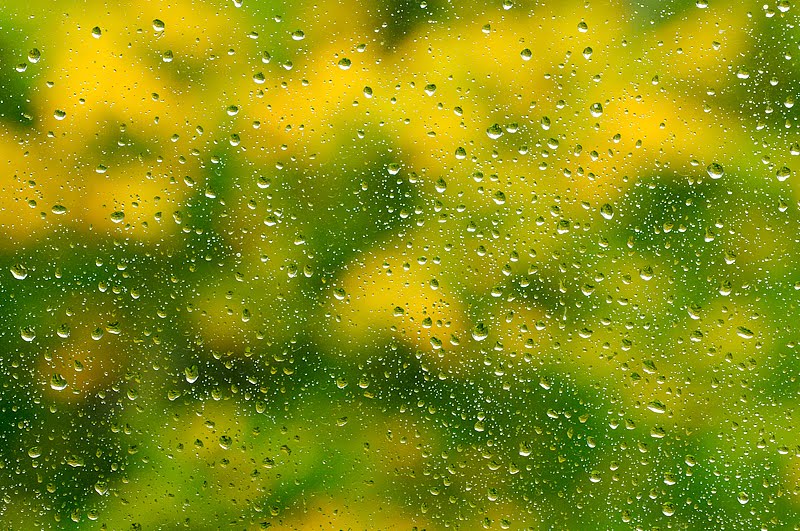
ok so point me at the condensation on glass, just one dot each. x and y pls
(399, 265)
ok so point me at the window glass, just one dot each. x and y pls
(399, 265)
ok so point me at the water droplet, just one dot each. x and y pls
(743, 73)
(118, 217)
(480, 332)
(393, 168)
(34, 452)
(34, 55)
(225, 442)
(97, 334)
(27, 333)
(702, 4)
(507, 4)
(59, 209)
(526, 54)
(783, 173)
(668, 509)
(715, 170)
(101, 487)
(441, 185)
(657, 406)
(191, 373)
(744, 333)
(63, 331)
(58, 114)
(794, 148)
(19, 271)
(596, 109)
(607, 211)
(430, 89)
(461, 153)
(494, 131)
(583, 27)
(344, 63)
(298, 35)
(743, 497)
(499, 197)
(58, 382)
(587, 52)
(368, 92)
(232, 110)
(158, 25)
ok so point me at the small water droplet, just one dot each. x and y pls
(225, 442)
(461, 153)
(34, 55)
(744, 333)
(298, 35)
(344, 63)
(583, 27)
(596, 109)
(607, 211)
(58, 114)
(743, 497)
(526, 54)
(430, 89)
(118, 216)
(657, 406)
(783, 173)
(158, 25)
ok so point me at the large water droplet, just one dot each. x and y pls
(58, 382)
(480, 332)
(715, 170)
(19, 271)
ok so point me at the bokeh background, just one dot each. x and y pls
(399, 265)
